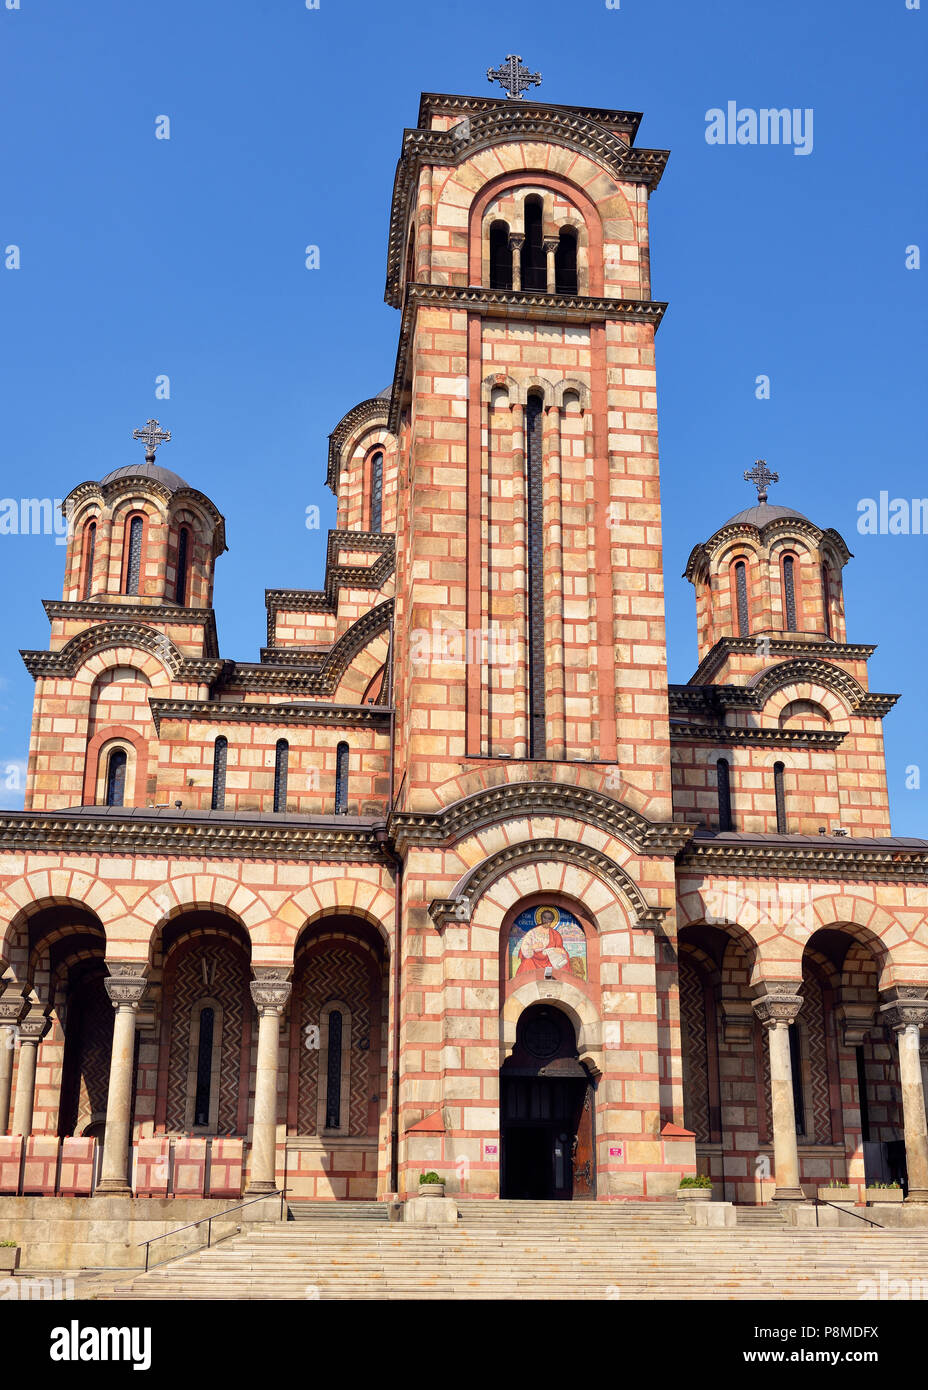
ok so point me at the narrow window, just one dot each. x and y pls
(534, 417)
(281, 759)
(341, 779)
(204, 1068)
(532, 255)
(799, 1109)
(333, 1089)
(789, 593)
(565, 262)
(826, 600)
(780, 792)
(741, 589)
(89, 549)
(134, 556)
(220, 757)
(116, 778)
(183, 545)
(862, 1093)
(723, 782)
(376, 521)
(500, 257)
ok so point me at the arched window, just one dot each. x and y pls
(333, 1090)
(500, 257)
(789, 592)
(220, 757)
(183, 547)
(723, 783)
(532, 255)
(565, 262)
(341, 779)
(795, 1057)
(741, 594)
(88, 550)
(204, 1071)
(134, 554)
(376, 521)
(534, 417)
(826, 599)
(116, 777)
(780, 794)
(281, 758)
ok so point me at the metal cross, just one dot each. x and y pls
(152, 435)
(513, 76)
(761, 476)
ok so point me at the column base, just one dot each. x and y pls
(917, 1194)
(261, 1189)
(789, 1194)
(112, 1187)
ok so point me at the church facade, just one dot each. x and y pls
(451, 878)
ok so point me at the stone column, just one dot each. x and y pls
(270, 990)
(550, 245)
(515, 241)
(907, 1014)
(776, 1010)
(31, 1031)
(125, 986)
(10, 1012)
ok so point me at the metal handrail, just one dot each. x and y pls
(216, 1216)
(824, 1202)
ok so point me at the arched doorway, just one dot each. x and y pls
(546, 1112)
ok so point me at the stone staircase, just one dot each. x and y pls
(527, 1250)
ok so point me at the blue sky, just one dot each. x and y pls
(185, 257)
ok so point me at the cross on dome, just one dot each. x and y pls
(761, 476)
(513, 76)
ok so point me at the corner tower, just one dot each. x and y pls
(530, 612)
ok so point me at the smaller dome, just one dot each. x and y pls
(761, 513)
(172, 481)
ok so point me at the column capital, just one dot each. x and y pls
(780, 1004)
(126, 983)
(856, 1020)
(11, 1009)
(270, 989)
(550, 243)
(907, 1012)
(33, 1029)
(516, 240)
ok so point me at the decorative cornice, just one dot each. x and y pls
(806, 856)
(801, 670)
(520, 799)
(106, 636)
(130, 484)
(483, 125)
(96, 611)
(460, 904)
(312, 673)
(823, 647)
(764, 738)
(220, 834)
(251, 712)
(509, 304)
(702, 554)
(364, 413)
(336, 576)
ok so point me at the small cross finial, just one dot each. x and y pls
(513, 76)
(761, 476)
(152, 435)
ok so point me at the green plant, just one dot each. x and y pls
(430, 1178)
(9, 1244)
(697, 1180)
(883, 1184)
(835, 1182)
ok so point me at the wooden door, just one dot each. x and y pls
(584, 1158)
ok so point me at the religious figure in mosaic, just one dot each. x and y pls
(547, 936)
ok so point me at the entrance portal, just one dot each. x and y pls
(546, 1111)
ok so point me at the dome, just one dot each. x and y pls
(762, 513)
(172, 481)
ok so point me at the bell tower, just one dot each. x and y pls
(530, 608)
